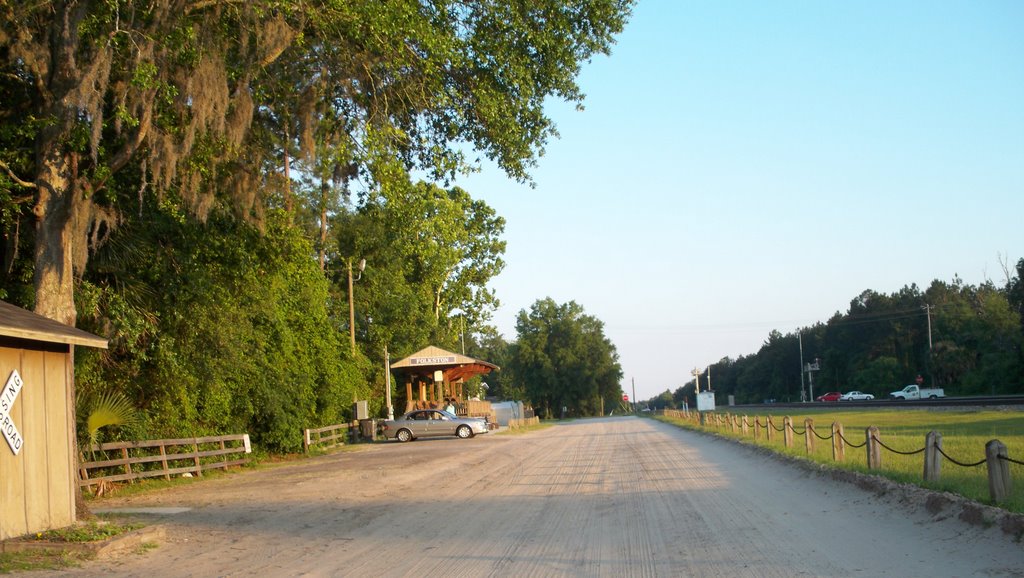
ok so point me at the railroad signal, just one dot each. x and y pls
(625, 397)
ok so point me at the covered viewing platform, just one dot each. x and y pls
(433, 375)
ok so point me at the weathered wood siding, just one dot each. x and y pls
(37, 485)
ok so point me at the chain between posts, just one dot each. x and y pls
(851, 444)
(896, 451)
(1004, 458)
(821, 437)
(945, 455)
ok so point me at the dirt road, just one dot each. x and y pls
(603, 497)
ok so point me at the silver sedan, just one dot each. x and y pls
(432, 422)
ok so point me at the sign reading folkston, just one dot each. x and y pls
(432, 360)
(7, 397)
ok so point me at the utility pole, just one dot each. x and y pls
(387, 383)
(352, 303)
(928, 312)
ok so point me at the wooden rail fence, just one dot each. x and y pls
(154, 458)
(997, 458)
(335, 435)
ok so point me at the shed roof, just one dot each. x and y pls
(23, 324)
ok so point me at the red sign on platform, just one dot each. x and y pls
(625, 397)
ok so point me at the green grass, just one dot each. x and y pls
(57, 558)
(40, 560)
(964, 435)
(527, 429)
(90, 531)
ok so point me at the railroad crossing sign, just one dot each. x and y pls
(7, 397)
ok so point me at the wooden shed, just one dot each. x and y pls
(38, 483)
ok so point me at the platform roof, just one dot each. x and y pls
(454, 365)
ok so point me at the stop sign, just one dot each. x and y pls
(625, 397)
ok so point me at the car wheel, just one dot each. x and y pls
(933, 397)
(403, 435)
(464, 432)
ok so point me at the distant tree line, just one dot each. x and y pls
(975, 346)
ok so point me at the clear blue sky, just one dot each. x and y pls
(748, 166)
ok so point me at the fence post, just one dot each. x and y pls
(838, 444)
(768, 430)
(127, 464)
(163, 462)
(195, 456)
(757, 428)
(787, 431)
(874, 450)
(809, 435)
(932, 457)
(305, 440)
(998, 470)
(746, 426)
(733, 424)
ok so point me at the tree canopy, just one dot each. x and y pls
(563, 360)
(205, 102)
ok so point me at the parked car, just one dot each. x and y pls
(830, 396)
(856, 396)
(433, 422)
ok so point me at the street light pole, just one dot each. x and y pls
(352, 303)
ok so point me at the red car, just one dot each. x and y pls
(830, 396)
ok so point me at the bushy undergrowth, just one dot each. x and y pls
(214, 329)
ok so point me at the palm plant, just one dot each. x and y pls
(102, 410)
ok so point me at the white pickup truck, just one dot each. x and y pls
(915, 392)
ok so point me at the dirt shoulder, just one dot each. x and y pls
(611, 496)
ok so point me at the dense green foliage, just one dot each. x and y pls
(218, 328)
(563, 360)
(882, 343)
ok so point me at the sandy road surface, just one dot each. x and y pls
(603, 497)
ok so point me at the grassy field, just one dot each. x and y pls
(964, 435)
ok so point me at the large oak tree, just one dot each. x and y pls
(204, 102)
